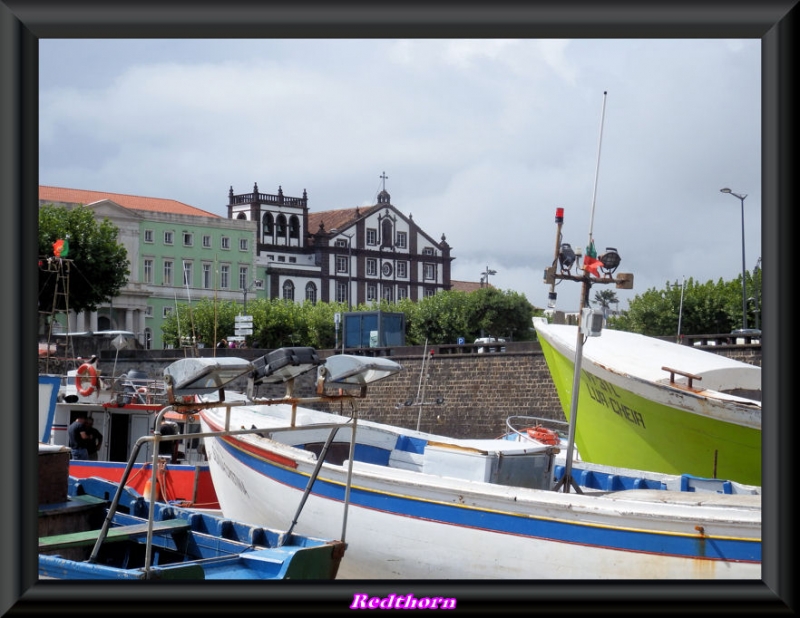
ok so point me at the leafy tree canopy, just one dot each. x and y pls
(438, 319)
(98, 263)
(701, 308)
(708, 308)
(276, 323)
(605, 298)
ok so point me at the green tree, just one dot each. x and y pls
(439, 319)
(320, 327)
(701, 308)
(605, 298)
(205, 321)
(500, 314)
(98, 263)
(276, 323)
(446, 316)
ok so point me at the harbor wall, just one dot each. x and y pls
(478, 391)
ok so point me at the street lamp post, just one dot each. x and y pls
(744, 283)
(245, 290)
(757, 298)
(349, 270)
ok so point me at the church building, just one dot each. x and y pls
(351, 255)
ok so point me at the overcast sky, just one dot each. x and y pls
(481, 140)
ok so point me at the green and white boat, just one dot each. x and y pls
(650, 404)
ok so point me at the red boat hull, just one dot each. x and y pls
(188, 484)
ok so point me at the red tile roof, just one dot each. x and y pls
(134, 202)
(334, 219)
(465, 286)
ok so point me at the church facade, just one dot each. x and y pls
(353, 255)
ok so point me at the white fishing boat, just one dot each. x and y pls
(424, 506)
(650, 404)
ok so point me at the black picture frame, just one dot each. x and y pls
(24, 22)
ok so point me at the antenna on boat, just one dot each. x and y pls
(421, 386)
(593, 269)
(597, 168)
(680, 311)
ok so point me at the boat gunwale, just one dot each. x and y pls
(718, 405)
(468, 489)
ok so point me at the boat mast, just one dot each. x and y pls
(680, 311)
(567, 480)
(419, 386)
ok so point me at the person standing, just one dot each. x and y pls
(95, 439)
(78, 437)
(169, 447)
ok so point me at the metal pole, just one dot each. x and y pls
(744, 270)
(349, 272)
(311, 480)
(419, 386)
(680, 311)
(567, 480)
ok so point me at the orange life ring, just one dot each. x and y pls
(86, 371)
(543, 435)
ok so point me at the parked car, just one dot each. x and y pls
(488, 340)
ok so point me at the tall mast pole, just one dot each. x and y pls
(567, 481)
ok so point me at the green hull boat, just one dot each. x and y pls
(649, 404)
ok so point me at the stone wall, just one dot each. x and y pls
(479, 391)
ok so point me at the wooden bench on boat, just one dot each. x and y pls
(116, 533)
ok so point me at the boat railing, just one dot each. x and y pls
(157, 438)
(191, 383)
(134, 387)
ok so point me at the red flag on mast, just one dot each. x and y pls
(590, 261)
(61, 248)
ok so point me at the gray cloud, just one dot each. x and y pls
(481, 140)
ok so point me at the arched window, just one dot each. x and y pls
(280, 226)
(266, 227)
(288, 290)
(311, 292)
(241, 216)
(294, 227)
(386, 233)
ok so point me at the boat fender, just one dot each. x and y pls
(86, 371)
(148, 486)
(543, 435)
